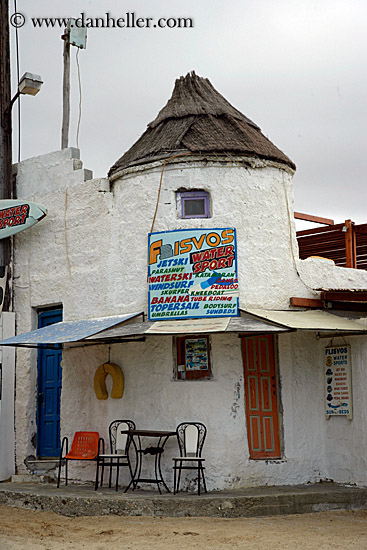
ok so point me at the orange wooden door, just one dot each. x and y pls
(261, 396)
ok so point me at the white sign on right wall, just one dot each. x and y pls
(338, 384)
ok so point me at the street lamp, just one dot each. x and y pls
(6, 104)
(29, 84)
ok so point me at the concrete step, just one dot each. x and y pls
(31, 478)
(82, 500)
(42, 466)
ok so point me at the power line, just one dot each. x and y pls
(18, 77)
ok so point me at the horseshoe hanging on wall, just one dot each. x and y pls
(100, 381)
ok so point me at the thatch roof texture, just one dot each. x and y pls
(200, 120)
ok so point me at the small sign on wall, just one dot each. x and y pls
(338, 384)
(196, 354)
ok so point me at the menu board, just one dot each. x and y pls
(192, 273)
(338, 381)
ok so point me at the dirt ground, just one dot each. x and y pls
(21, 529)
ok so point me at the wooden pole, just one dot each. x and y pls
(315, 219)
(66, 91)
(350, 245)
(5, 135)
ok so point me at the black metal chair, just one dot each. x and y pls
(191, 437)
(119, 451)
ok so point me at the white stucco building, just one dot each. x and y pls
(263, 392)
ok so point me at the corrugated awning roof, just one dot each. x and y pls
(67, 331)
(253, 321)
(245, 323)
(314, 320)
(250, 321)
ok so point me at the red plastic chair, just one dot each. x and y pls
(85, 446)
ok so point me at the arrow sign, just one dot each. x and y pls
(17, 215)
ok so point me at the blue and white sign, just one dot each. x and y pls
(192, 273)
(338, 381)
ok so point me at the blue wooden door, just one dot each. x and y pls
(49, 392)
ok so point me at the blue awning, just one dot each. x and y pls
(67, 331)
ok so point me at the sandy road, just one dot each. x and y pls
(21, 529)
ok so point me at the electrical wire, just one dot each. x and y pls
(66, 235)
(80, 98)
(159, 191)
(160, 184)
(18, 77)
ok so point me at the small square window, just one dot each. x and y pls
(193, 358)
(195, 204)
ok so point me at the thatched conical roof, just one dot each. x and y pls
(200, 120)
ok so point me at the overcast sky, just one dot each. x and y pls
(295, 67)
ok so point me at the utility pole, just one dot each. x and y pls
(66, 90)
(5, 135)
(73, 36)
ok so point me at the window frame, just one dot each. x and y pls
(180, 358)
(190, 195)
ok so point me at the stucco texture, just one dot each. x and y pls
(90, 255)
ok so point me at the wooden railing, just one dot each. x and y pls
(344, 243)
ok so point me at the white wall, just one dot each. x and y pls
(7, 436)
(90, 255)
(256, 198)
(250, 199)
(314, 448)
(57, 261)
(346, 440)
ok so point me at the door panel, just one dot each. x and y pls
(268, 434)
(255, 433)
(253, 393)
(266, 394)
(49, 391)
(261, 396)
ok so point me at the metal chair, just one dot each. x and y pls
(119, 451)
(190, 437)
(85, 446)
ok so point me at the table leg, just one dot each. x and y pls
(139, 462)
(158, 451)
(158, 457)
(157, 466)
(132, 474)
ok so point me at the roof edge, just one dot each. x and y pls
(219, 158)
